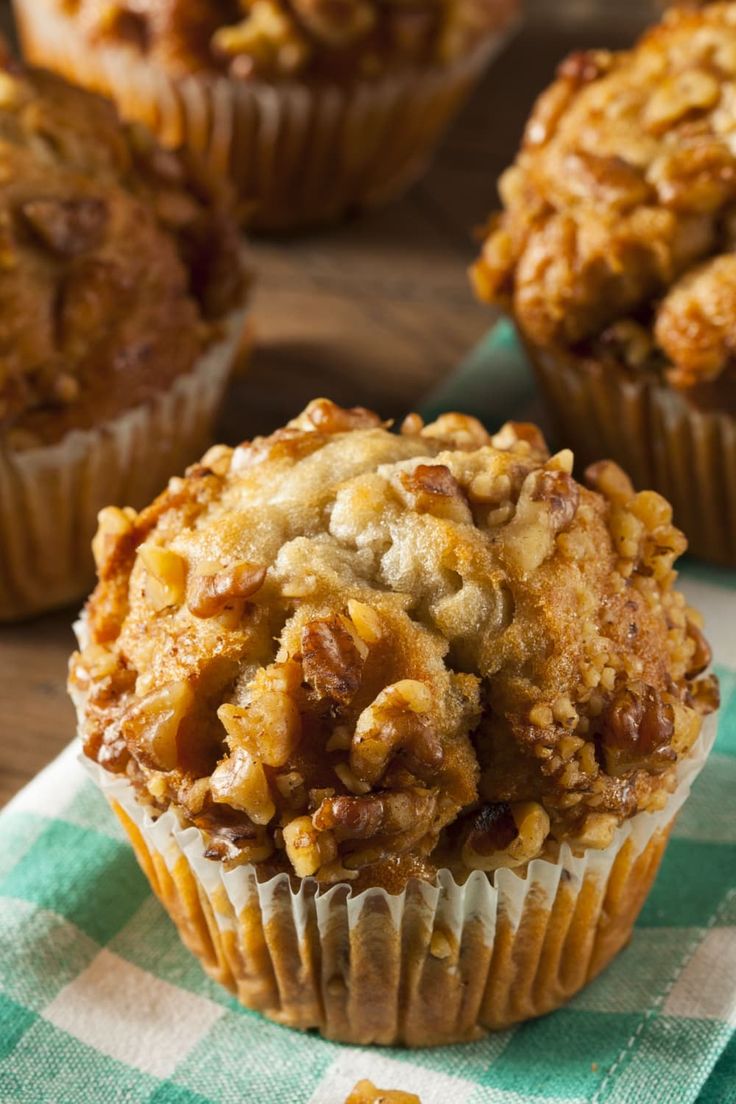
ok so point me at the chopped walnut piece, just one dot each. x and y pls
(269, 727)
(167, 573)
(326, 417)
(433, 489)
(460, 431)
(635, 730)
(152, 724)
(403, 816)
(395, 721)
(68, 227)
(504, 835)
(209, 594)
(365, 1092)
(113, 525)
(240, 781)
(702, 653)
(307, 848)
(332, 658)
(511, 433)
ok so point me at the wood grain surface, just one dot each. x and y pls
(375, 311)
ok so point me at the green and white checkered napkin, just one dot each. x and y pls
(99, 1001)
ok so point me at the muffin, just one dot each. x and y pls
(315, 108)
(397, 724)
(615, 254)
(121, 292)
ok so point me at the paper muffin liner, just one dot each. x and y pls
(657, 436)
(438, 963)
(298, 153)
(50, 496)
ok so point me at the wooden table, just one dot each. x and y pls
(374, 312)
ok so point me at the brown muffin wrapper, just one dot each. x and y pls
(657, 436)
(50, 496)
(368, 968)
(297, 153)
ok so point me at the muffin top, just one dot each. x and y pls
(116, 262)
(357, 654)
(619, 220)
(278, 39)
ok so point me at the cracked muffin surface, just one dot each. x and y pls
(279, 39)
(361, 655)
(617, 231)
(117, 261)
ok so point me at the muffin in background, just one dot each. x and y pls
(397, 724)
(615, 255)
(314, 108)
(121, 297)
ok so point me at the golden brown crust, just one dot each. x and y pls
(278, 39)
(436, 648)
(624, 187)
(113, 270)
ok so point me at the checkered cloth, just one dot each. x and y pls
(99, 1000)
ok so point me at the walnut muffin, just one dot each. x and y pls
(315, 107)
(365, 658)
(614, 253)
(119, 273)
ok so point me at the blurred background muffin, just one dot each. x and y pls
(314, 108)
(401, 668)
(615, 254)
(121, 294)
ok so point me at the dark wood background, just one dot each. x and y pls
(376, 311)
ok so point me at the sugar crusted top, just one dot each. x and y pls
(620, 210)
(357, 654)
(116, 261)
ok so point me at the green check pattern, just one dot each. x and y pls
(100, 1002)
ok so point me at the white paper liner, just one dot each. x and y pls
(297, 153)
(361, 968)
(50, 496)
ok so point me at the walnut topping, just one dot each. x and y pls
(614, 240)
(702, 656)
(394, 813)
(307, 848)
(511, 433)
(209, 594)
(167, 572)
(365, 1092)
(395, 721)
(505, 836)
(433, 489)
(117, 265)
(152, 724)
(269, 727)
(326, 417)
(240, 781)
(332, 658)
(69, 227)
(113, 525)
(636, 729)
(404, 693)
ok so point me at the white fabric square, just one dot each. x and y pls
(706, 988)
(388, 1073)
(53, 789)
(132, 1016)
